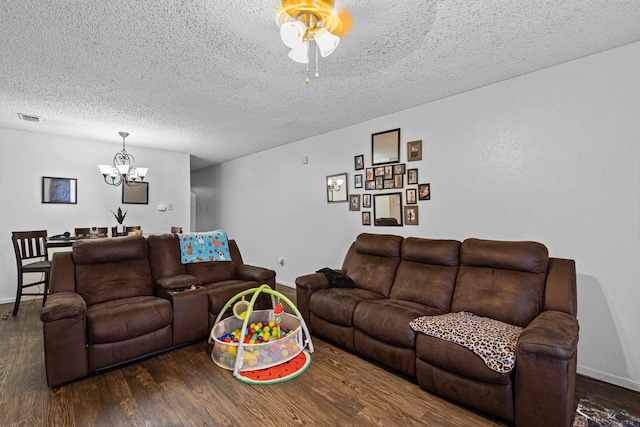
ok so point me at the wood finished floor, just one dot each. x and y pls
(185, 388)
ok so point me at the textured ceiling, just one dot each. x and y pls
(212, 77)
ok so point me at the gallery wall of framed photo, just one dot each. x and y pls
(392, 190)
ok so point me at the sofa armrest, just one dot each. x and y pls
(65, 338)
(261, 275)
(179, 281)
(305, 286)
(63, 305)
(546, 370)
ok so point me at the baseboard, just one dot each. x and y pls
(287, 284)
(609, 378)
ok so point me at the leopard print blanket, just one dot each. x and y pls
(494, 341)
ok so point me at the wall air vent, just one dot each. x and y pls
(30, 118)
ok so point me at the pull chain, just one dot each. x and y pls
(317, 75)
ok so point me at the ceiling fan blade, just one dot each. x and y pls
(344, 22)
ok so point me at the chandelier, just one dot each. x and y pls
(123, 169)
(304, 21)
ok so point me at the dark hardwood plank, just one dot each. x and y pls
(185, 387)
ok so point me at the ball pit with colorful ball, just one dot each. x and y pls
(261, 346)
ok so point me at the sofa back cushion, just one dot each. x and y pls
(373, 263)
(427, 272)
(217, 271)
(113, 268)
(501, 280)
(164, 256)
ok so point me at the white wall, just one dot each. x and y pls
(551, 156)
(28, 156)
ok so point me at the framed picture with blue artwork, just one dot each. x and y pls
(59, 190)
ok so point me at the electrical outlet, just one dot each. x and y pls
(170, 206)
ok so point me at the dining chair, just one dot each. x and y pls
(83, 232)
(102, 231)
(131, 228)
(176, 230)
(30, 248)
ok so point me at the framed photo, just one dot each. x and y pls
(398, 169)
(412, 198)
(385, 147)
(369, 185)
(412, 176)
(369, 174)
(138, 195)
(388, 172)
(366, 218)
(357, 180)
(411, 215)
(354, 202)
(59, 190)
(366, 200)
(424, 192)
(388, 183)
(359, 162)
(398, 181)
(380, 171)
(414, 151)
(379, 182)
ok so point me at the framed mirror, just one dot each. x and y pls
(387, 209)
(337, 188)
(385, 147)
(59, 190)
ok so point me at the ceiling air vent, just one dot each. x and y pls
(30, 118)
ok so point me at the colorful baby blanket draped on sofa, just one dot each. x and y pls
(204, 247)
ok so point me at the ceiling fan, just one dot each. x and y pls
(303, 21)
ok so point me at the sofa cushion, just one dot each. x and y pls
(337, 305)
(109, 269)
(388, 320)
(97, 283)
(126, 318)
(97, 251)
(451, 357)
(427, 272)
(212, 272)
(494, 341)
(374, 262)
(501, 280)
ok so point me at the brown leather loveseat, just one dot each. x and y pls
(115, 300)
(397, 280)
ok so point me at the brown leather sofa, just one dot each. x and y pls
(115, 300)
(399, 279)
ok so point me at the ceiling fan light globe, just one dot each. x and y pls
(300, 53)
(326, 41)
(292, 33)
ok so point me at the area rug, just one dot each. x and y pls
(279, 373)
(589, 414)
